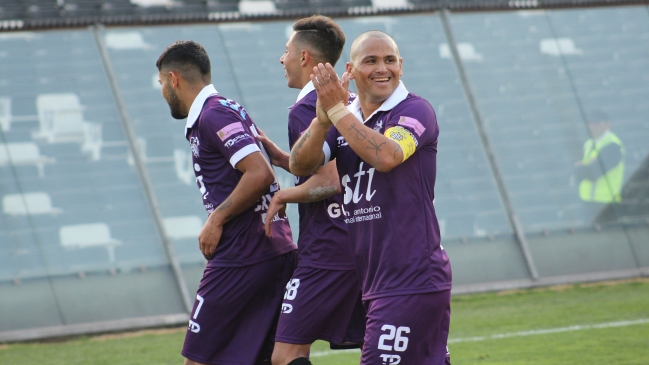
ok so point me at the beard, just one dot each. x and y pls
(174, 105)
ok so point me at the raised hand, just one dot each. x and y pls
(330, 89)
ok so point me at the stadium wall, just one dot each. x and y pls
(100, 211)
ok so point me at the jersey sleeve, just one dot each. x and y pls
(299, 119)
(227, 132)
(333, 140)
(413, 125)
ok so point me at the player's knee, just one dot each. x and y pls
(190, 362)
(300, 361)
(283, 359)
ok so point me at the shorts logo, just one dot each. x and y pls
(390, 359)
(229, 130)
(194, 327)
(412, 123)
(287, 308)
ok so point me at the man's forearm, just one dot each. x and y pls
(250, 188)
(321, 185)
(371, 146)
(282, 161)
(306, 155)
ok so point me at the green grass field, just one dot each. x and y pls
(603, 323)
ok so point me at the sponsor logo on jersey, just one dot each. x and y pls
(412, 123)
(378, 126)
(356, 195)
(194, 143)
(230, 130)
(230, 142)
(335, 210)
(342, 142)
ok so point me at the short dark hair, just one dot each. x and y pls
(189, 58)
(322, 35)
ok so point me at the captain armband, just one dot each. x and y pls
(404, 138)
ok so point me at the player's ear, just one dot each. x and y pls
(400, 66)
(305, 57)
(348, 68)
(173, 79)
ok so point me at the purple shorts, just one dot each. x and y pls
(322, 304)
(407, 329)
(235, 314)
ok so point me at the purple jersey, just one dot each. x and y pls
(390, 216)
(221, 134)
(323, 241)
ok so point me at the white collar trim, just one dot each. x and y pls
(400, 94)
(197, 105)
(305, 91)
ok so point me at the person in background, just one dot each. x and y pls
(600, 172)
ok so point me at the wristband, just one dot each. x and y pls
(337, 112)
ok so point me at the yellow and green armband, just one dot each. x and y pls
(404, 138)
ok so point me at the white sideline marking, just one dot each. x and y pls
(333, 352)
(552, 330)
(515, 334)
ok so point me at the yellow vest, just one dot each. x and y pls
(607, 188)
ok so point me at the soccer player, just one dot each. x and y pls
(322, 298)
(385, 146)
(240, 295)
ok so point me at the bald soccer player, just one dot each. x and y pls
(385, 147)
(322, 299)
(235, 314)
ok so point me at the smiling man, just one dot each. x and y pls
(385, 147)
(322, 299)
(239, 297)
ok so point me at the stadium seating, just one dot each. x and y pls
(75, 204)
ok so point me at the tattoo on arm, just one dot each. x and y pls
(300, 143)
(225, 205)
(396, 150)
(360, 134)
(375, 146)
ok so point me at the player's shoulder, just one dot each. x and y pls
(222, 110)
(307, 102)
(415, 105)
(303, 112)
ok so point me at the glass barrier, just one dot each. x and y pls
(529, 110)
(72, 205)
